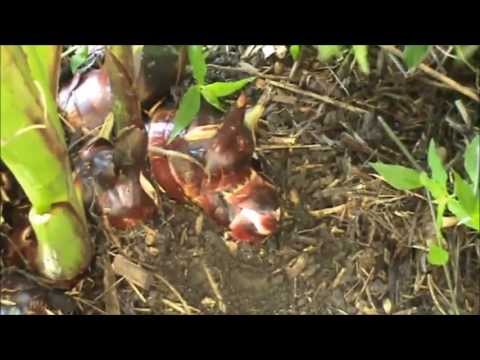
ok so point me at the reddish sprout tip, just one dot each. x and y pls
(227, 188)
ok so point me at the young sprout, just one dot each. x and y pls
(210, 164)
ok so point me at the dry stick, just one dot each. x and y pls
(247, 71)
(432, 293)
(316, 96)
(404, 150)
(174, 306)
(172, 153)
(291, 147)
(135, 289)
(111, 287)
(179, 308)
(175, 292)
(214, 286)
(79, 299)
(397, 142)
(435, 74)
(295, 89)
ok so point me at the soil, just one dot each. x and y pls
(348, 243)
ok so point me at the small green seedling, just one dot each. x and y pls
(190, 103)
(79, 58)
(464, 203)
(360, 52)
(413, 55)
(295, 51)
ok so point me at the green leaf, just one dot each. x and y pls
(435, 163)
(295, 51)
(189, 107)
(44, 64)
(437, 256)
(211, 98)
(466, 51)
(221, 89)
(326, 52)
(457, 209)
(199, 66)
(474, 221)
(400, 177)
(436, 189)
(414, 54)
(464, 193)
(31, 146)
(361, 55)
(79, 58)
(471, 220)
(472, 163)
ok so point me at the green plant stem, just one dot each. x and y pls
(126, 105)
(415, 164)
(34, 149)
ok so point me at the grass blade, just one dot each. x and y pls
(361, 55)
(415, 54)
(295, 52)
(199, 66)
(326, 52)
(189, 107)
(221, 89)
(400, 177)
(472, 163)
(435, 163)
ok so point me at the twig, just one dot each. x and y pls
(172, 153)
(397, 141)
(85, 302)
(135, 289)
(248, 71)
(214, 286)
(108, 289)
(299, 146)
(313, 95)
(328, 211)
(175, 292)
(435, 74)
(432, 293)
(340, 82)
(463, 113)
(294, 70)
(365, 284)
(178, 308)
(452, 291)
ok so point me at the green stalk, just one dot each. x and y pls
(34, 148)
(131, 138)
(119, 62)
